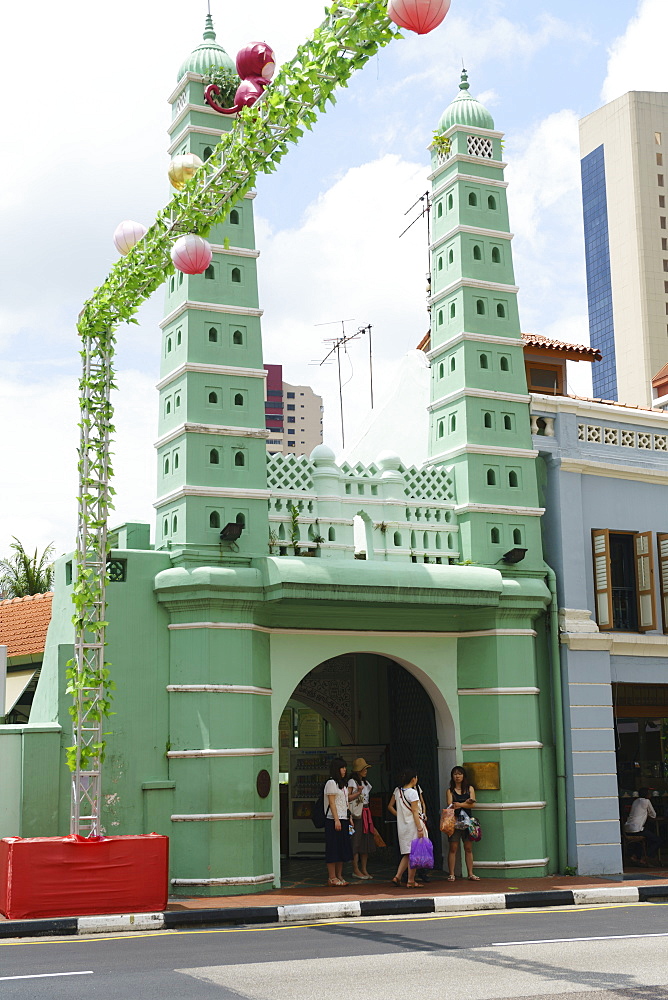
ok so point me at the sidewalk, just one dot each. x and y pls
(377, 898)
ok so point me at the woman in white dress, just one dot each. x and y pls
(410, 823)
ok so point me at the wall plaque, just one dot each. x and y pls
(484, 775)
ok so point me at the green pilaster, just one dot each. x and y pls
(211, 443)
(479, 403)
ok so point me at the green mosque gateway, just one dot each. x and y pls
(239, 663)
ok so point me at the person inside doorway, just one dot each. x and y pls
(642, 810)
(410, 822)
(363, 838)
(338, 848)
(461, 794)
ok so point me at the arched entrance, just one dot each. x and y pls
(356, 704)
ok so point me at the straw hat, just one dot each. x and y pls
(359, 764)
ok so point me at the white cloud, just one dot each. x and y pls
(637, 59)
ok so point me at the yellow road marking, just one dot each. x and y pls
(134, 935)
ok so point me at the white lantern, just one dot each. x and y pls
(127, 234)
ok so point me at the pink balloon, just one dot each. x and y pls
(191, 254)
(420, 16)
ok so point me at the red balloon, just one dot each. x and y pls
(420, 16)
(191, 254)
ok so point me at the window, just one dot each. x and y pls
(213, 397)
(440, 429)
(440, 263)
(450, 202)
(484, 361)
(480, 307)
(439, 210)
(171, 284)
(507, 422)
(491, 203)
(659, 180)
(206, 153)
(659, 159)
(517, 536)
(175, 461)
(331, 535)
(290, 395)
(168, 407)
(624, 580)
(165, 527)
(544, 379)
(291, 430)
(234, 217)
(440, 317)
(477, 252)
(237, 337)
(397, 539)
(662, 221)
(500, 310)
(210, 273)
(451, 256)
(291, 406)
(487, 420)
(177, 400)
(291, 444)
(291, 420)
(169, 339)
(236, 275)
(662, 201)
(213, 335)
(175, 524)
(473, 199)
(165, 467)
(495, 536)
(496, 255)
(491, 477)
(240, 458)
(214, 519)
(453, 310)
(441, 370)
(178, 338)
(214, 457)
(513, 479)
(238, 399)
(180, 278)
(241, 519)
(453, 422)
(504, 363)
(453, 363)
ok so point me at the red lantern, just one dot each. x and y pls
(191, 254)
(420, 16)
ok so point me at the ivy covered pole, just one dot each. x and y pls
(351, 33)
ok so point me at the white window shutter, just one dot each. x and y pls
(602, 578)
(645, 581)
(662, 542)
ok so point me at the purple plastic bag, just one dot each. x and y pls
(422, 853)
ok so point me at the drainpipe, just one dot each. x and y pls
(555, 660)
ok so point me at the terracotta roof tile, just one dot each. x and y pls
(615, 402)
(538, 340)
(23, 623)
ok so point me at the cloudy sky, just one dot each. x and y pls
(85, 120)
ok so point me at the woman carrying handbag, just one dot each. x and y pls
(363, 839)
(410, 824)
(461, 795)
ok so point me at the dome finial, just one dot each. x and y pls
(464, 82)
(209, 33)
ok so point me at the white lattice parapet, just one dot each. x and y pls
(385, 510)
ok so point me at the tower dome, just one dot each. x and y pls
(208, 54)
(465, 110)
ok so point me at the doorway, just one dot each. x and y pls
(357, 704)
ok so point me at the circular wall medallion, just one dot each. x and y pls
(263, 784)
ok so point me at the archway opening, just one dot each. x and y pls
(356, 705)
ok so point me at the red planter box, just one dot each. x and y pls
(73, 876)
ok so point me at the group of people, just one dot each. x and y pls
(350, 834)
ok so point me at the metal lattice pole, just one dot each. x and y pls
(89, 642)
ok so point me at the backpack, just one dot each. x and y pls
(318, 811)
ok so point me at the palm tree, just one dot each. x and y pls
(22, 575)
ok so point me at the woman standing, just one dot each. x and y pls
(337, 836)
(461, 794)
(363, 842)
(410, 823)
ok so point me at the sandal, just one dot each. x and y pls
(451, 878)
(334, 882)
(474, 878)
(343, 882)
(411, 885)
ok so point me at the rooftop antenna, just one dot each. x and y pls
(338, 344)
(424, 201)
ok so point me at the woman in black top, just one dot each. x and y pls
(460, 793)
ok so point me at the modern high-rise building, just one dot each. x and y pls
(293, 415)
(623, 146)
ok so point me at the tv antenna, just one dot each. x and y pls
(424, 201)
(340, 344)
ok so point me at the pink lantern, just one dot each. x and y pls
(420, 16)
(191, 254)
(127, 234)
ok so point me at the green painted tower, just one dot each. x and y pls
(211, 444)
(479, 403)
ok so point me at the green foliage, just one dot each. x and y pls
(227, 80)
(350, 35)
(294, 527)
(442, 144)
(22, 575)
